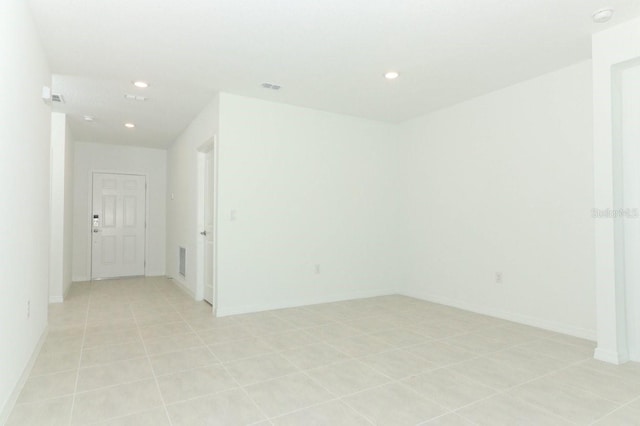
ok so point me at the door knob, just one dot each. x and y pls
(96, 231)
(204, 233)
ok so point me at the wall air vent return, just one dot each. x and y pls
(182, 262)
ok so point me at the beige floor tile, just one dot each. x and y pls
(260, 368)
(116, 401)
(334, 413)
(360, 345)
(290, 339)
(238, 349)
(617, 389)
(630, 370)
(312, 356)
(478, 344)
(441, 353)
(218, 335)
(286, 394)
(394, 404)
(195, 383)
(115, 373)
(172, 362)
(53, 412)
(400, 338)
(520, 358)
(449, 420)
(450, 389)
(492, 373)
(148, 319)
(333, 331)
(568, 402)
(166, 329)
(53, 362)
(625, 416)
(228, 408)
(558, 350)
(155, 417)
(106, 354)
(164, 344)
(110, 338)
(398, 363)
(48, 386)
(503, 410)
(347, 377)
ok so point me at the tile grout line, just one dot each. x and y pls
(84, 336)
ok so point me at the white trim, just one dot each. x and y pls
(13, 398)
(510, 316)
(183, 286)
(245, 309)
(56, 299)
(605, 355)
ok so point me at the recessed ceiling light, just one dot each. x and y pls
(141, 84)
(392, 75)
(88, 118)
(129, 125)
(601, 16)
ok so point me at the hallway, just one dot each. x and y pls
(141, 352)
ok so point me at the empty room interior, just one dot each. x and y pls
(320, 212)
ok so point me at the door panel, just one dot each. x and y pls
(208, 227)
(118, 225)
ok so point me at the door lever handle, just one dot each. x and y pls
(204, 233)
(95, 231)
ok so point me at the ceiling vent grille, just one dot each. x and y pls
(57, 97)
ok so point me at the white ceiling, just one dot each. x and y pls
(326, 54)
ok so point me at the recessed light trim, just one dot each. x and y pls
(141, 84)
(129, 125)
(391, 75)
(601, 16)
(89, 118)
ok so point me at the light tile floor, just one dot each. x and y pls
(140, 352)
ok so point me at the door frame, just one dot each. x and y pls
(89, 241)
(210, 146)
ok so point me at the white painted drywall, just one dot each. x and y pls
(299, 188)
(306, 188)
(503, 183)
(611, 47)
(94, 157)
(24, 184)
(182, 194)
(61, 208)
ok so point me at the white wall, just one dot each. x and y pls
(182, 182)
(24, 183)
(94, 157)
(503, 183)
(307, 188)
(611, 49)
(61, 254)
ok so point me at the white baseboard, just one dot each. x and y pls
(510, 316)
(612, 357)
(183, 286)
(5, 412)
(56, 299)
(223, 311)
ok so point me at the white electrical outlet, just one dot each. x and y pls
(498, 277)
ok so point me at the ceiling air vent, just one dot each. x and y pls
(57, 97)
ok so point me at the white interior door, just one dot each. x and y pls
(208, 232)
(118, 225)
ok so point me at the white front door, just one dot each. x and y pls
(118, 225)
(208, 227)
